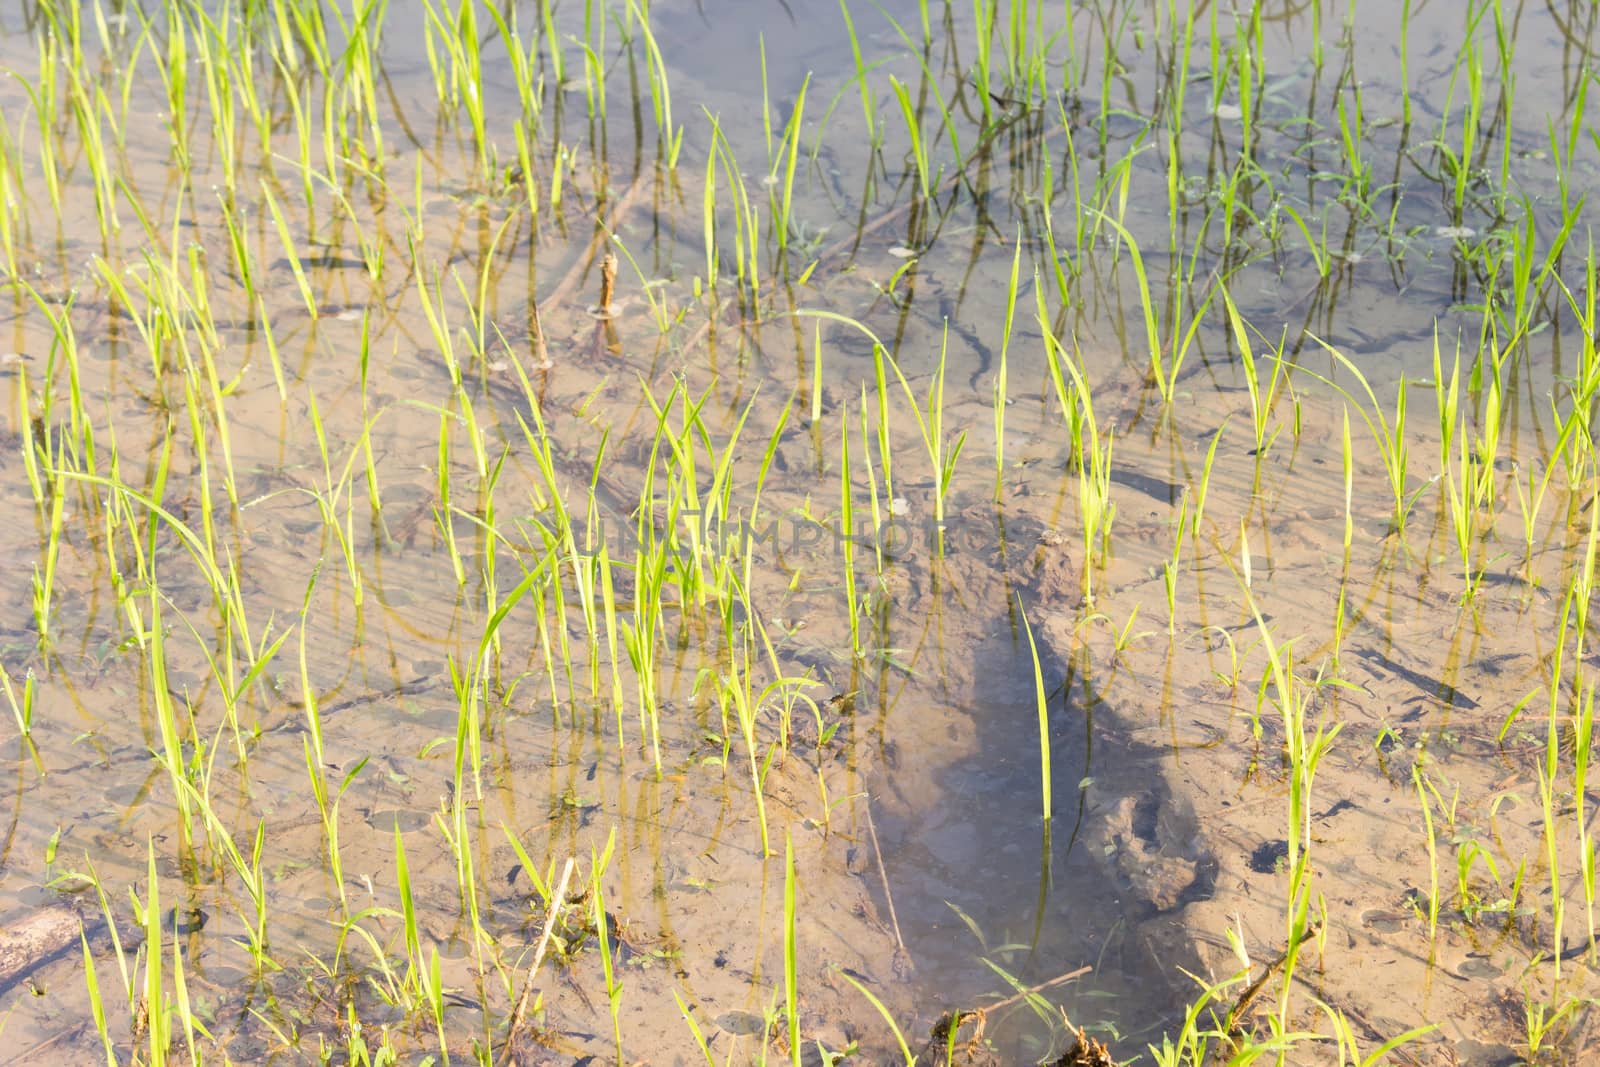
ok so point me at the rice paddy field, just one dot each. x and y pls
(799, 531)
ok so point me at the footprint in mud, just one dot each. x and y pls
(1269, 857)
(1151, 847)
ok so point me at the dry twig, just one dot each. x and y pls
(553, 907)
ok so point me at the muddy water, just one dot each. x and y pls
(916, 825)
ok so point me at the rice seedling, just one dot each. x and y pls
(552, 41)
(1349, 1048)
(1193, 1043)
(42, 101)
(86, 113)
(791, 954)
(782, 159)
(1469, 856)
(694, 1029)
(1405, 63)
(943, 451)
(735, 690)
(214, 62)
(1001, 399)
(1462, 482)
(21, 707)
(1433, 900)
(746, 219)
(44, 578)
(1305, 749)
(96, 1005)
(847, 541)
(362, 66)
(876, 515)
(1542, 1020)
(155, 1009)
(602, 918)
(594, 48)
(1263, 396)
(1562, 150)
(868, 100)
(887, 1016)
(1582, 732)
(1388, 434)
(1169, 567)
(1096, 508)
(1159, 374)
(671, 140)
(1044, 718)
(919, 147)
(457, 64)
(288, 242)
(1061, 261)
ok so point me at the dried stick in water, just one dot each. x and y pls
(553, 907)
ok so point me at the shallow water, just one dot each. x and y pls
(924, 866)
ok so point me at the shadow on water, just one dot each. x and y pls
(987, 900)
